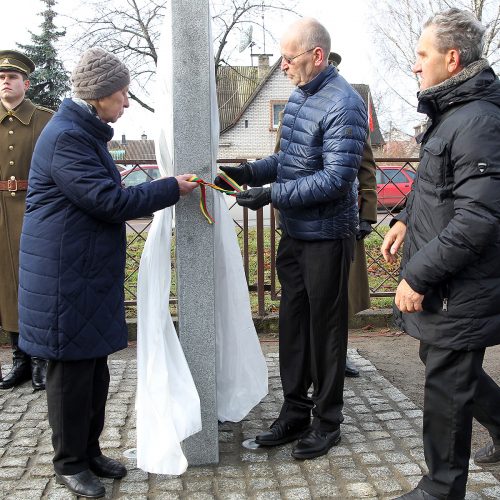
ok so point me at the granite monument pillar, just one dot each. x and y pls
(193, 152)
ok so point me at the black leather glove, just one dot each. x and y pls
(365, 228)
(254, 198)
(242, 174)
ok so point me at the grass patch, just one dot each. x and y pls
(382, 276)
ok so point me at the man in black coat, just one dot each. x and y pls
(450, 287)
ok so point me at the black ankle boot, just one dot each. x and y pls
(21, 366)
(38, 373)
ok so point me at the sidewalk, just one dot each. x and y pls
(380, 455)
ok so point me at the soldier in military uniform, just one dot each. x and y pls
(21, 122)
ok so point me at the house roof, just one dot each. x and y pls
(143, 149)
(238, 86)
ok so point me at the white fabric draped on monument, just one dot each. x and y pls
(167, 403)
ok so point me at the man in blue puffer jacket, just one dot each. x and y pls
(324, 130)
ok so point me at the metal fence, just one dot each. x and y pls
(259, 236)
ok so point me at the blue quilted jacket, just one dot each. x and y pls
(323, 132)
(72, 258)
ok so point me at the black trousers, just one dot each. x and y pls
(313, 323)
(457, 389)
(76, 400)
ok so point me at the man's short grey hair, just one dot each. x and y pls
(458, 29)
(316, 35)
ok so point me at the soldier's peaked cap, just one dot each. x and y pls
(12, 60)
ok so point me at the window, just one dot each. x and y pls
(276, 108)
(399, 177)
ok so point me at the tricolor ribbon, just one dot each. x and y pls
(203, 192)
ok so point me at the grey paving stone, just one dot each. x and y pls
(361, 490)
(390, 415)
(287, 469)
(493, 492)
(295, 494)
(18, 461)
(398, 424)
(7, 473)
(134, 488)
(34, 486)
(380, 472)
(408, 469)
(405, 433)
(268, 495)
(411, 442)
(262, 483)
(351, 475)
(260, 470)
(293, 481)
(317, 465)
(168, 484)
(369, 458)
(384, 445)
(321, 490)
(388, 486)
(482, 478)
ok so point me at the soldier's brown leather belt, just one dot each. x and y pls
(13, 185)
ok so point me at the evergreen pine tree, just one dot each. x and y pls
(50, 81)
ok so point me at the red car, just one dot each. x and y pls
(139, 174)
(393, 185)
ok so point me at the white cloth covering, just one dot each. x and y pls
(167, 404)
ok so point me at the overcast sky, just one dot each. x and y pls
(346, 21)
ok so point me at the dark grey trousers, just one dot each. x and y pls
(457, 389)
(76, 400)
(313, 324)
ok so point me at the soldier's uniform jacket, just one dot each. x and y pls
(19, 131)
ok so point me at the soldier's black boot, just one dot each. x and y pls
(38, 373)
(21, 366)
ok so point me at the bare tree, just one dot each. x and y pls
(131, 29)
(396, 28)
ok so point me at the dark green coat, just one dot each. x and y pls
(359, 290)
(19, 131)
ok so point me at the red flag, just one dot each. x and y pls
(370, 113)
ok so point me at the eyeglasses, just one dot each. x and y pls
(290, 59)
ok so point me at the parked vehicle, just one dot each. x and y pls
(139, 174)
(393, 185)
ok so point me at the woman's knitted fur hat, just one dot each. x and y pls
(99, 74)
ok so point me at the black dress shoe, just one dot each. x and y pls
(107, 467)
(38, 373)
(315, 443)
(283, 431)
(489, 454)
(84, 484)
(350, 369)
(417, 494)
(21, 370)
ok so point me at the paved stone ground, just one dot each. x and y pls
(380, 455)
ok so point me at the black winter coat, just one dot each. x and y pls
(72, 260)
(452, 244)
